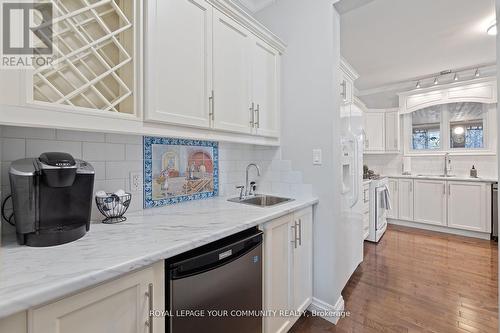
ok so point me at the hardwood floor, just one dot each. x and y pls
(419, 281)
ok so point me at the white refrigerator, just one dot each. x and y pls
(352, 144)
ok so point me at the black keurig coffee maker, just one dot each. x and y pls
(52, 198)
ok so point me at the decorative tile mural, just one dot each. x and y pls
(177, 170)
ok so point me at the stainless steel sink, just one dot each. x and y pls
(262, 200)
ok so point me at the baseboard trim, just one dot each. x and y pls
(329, 312)
(437, 228)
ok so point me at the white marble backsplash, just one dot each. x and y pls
(486, 165)
(115, 156)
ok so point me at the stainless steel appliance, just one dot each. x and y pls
(51, 198)
(217, 288)
(494, 212)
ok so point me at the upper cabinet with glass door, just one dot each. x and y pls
(456, 119)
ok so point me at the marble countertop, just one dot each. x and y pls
(451, 178)
(33, 276)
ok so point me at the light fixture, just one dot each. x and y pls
(459, 130)
(436, 81)
(418, 84)
(492, 29)
(477, 74)
(455, 78)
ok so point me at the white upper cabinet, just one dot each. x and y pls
(430, 201)
(392, 131)
(469, 206)
(183, 68)
(265, 88)
(231, 75)
(347, 77)
(382, 130)
(374, 124)
(179, 78)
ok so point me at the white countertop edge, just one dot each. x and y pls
(74, 285)
(457, 179)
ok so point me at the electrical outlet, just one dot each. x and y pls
(135, 182)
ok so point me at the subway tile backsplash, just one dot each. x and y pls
(115, 156)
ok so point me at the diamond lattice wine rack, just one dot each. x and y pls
(94, 65)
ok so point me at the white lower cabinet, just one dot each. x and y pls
(121, 306)
(468, 206)
(405, 199)
(464, 205)
(430, 201)
(393, 191)
(287, 268)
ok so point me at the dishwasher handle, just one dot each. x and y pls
(217, 255)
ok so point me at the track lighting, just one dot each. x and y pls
(418, 84)
(477, 74)
(455, 78)
(436, 81)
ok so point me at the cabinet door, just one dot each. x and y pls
(118, 306)
(393, 190)
(302, 261)
(392, 131)
(265, 88)
(374, 123)
(430, 201)
(405, 196)
(179, 79)
(277, 271)
(469, 206)
(231, 75)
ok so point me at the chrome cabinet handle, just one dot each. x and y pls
(252, 113)
(300, 232)
(257, 122)
(294, 227)
(149, 295)
(444, 189)
(211, 106)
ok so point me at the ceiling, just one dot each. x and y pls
(390, 41)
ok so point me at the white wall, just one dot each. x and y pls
(114, 157)
(310, 119)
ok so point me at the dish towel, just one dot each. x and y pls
(385, 200)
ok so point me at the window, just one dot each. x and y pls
(466, 125)
(449, 127)
(426, 129)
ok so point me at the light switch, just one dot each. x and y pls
(317, 158)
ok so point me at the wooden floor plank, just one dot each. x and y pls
(419, 281)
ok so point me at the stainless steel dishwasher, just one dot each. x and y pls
(217, 288)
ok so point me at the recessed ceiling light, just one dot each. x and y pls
(492, 29)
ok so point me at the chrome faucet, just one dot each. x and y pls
(248, 190)
(446, 162)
